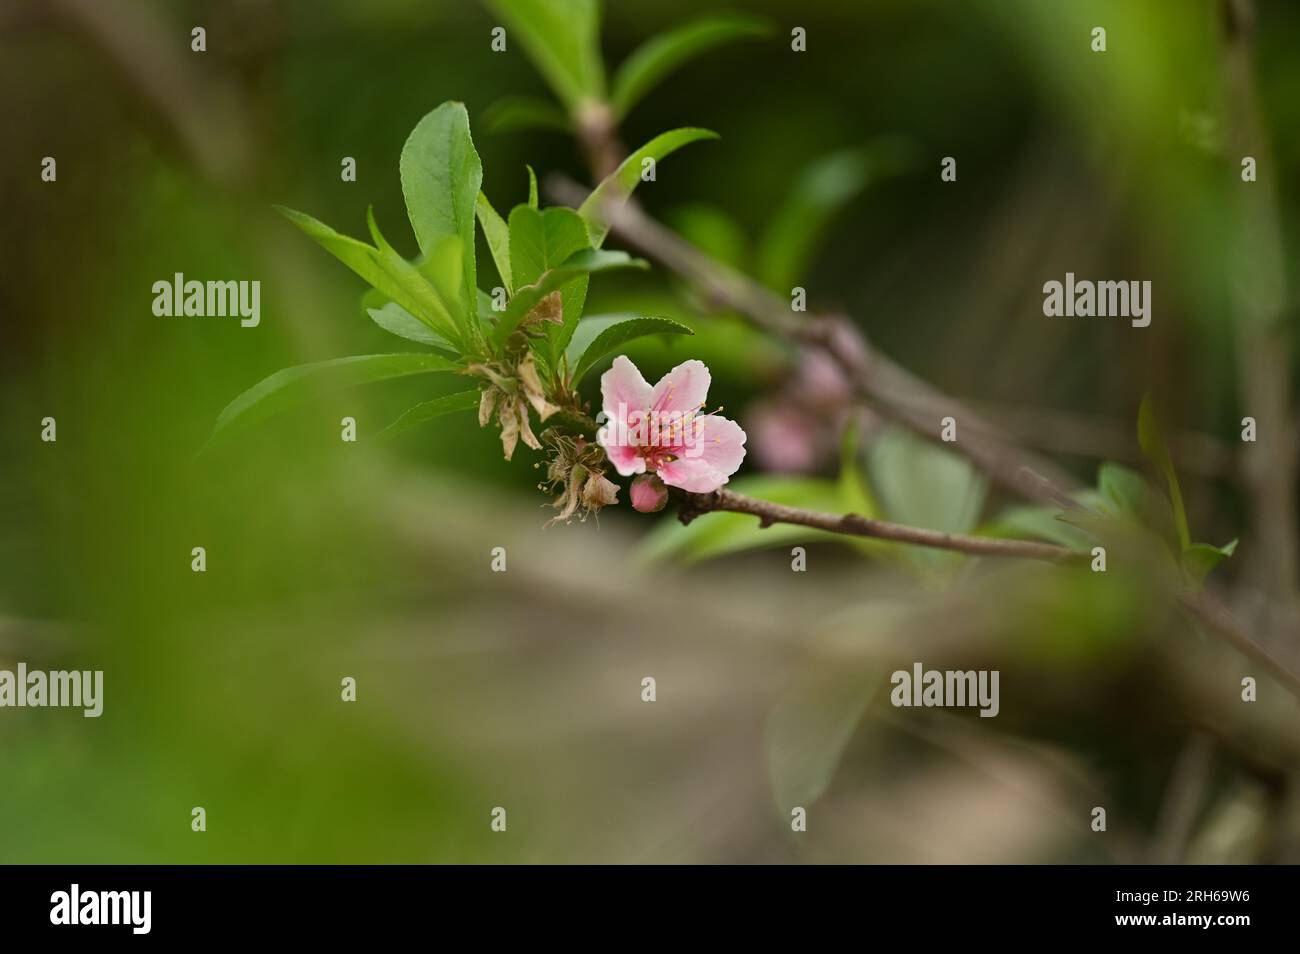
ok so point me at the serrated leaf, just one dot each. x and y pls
(428, 410)
(520, 113)
(597, 337)
(293, 385)
(792, 234)
(1153, 445)
(441, 177)
(653, 61)
(497, 233)
(540, 241)
(562, 38)
(385, 270)
(586, 262)
(622, 182)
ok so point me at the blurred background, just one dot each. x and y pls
(522, 689)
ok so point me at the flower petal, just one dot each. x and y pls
(683, 389)
(625, 457)
(716, 441)
(691, 474)
(623, 385)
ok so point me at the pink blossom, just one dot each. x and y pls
(662, 429)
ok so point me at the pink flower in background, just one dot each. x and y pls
(662, 429)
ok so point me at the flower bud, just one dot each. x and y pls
(648, 493)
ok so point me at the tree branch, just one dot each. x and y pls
(899, 394)
(768, 513)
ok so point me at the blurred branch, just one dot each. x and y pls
(1101, 438)
(199, 109)
(1187, 785)
(1259, 307)
(768, 513)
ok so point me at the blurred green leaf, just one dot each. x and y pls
(1124, 490)
(1036, 523)
(597, 337)
(921, 484)
(294, 385)
(521, 113)
(441, 177)
(385, 270)
(808, 729)
(791, 236)
(622, 182)
(652, 62)
(428, 410)
(562, 38)
(1200, 558)
(1153, 445)
(713, 231)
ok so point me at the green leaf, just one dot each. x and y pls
(1125, 490)
(441, 176)
(622, 182)
(532, 187)
(597, 337)
(294, 385)
(659, 56)
(385, 270)
(562, 38)
(821, 190)
(521, 113)
(540, 241)
(1035, 523)
(921, 484)
(588, 261)
(806, 732)
(428, 410)
(1153, 445)
(444, 268)
(396, 320)
(1200, 558)
(497, 234)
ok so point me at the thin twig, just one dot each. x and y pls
(769, 513)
